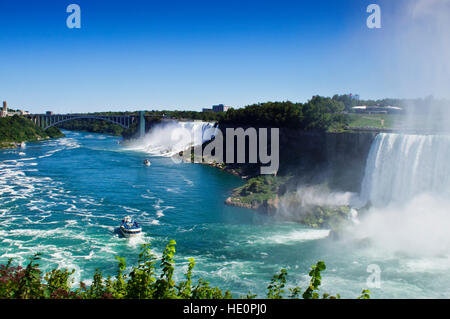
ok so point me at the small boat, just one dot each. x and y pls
(21, 153)
(147, 162)
(129, 227)
(22, 145)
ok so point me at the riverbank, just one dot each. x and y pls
(16, 129)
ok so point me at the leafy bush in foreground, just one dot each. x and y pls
(142, 282)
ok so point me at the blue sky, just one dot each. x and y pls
(131, 55)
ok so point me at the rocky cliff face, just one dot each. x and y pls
(346, 158)
(337, 159)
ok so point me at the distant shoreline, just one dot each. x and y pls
(17, 129)
(10, 145)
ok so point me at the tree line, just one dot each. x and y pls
(319, 113)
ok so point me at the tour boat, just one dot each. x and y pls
(146, 162)
(129, 227)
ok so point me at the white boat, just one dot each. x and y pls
(129, 227)
(21, 153)
(147, 162)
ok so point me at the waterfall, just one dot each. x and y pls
(400, 167)
(168, 139)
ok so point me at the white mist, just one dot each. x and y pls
(168, 139)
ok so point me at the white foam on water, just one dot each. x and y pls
(90, 256)
(31, 200)
(188, 181)
(137, 241)
(174, 190)
(291, 237)
(159, 213)
(131, 209)
(27, 159)
(169, 139)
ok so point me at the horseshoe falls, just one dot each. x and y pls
(407, 186)
(400, 167)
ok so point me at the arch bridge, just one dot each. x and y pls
(45, 121)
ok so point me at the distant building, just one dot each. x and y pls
(4, 111)
(220, 108)
(359, 108)
(394, 109)
(48, 113)
(377, 109)
(217, 108)
(354, 97)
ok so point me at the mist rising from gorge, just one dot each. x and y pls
(407, 177)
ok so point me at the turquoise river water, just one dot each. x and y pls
(65, 198)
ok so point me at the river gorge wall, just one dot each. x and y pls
(338, 159)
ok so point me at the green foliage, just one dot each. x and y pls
(142, 277)
(319, 113)
(316, 215)
(365, 294)
(20, 129)
(29, 281)
(130, 132)
(269, 114)
(185, 288)
(93, 125)
(189, 115)
(275, 289)
(325, 216)
(250, 295)
(315, 281)
(165, 286)
(54, 132)
(142, 282)
(58, 283)
(374, 120)
(203, 291)
(259, 189)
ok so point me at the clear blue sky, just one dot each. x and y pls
(188, 54)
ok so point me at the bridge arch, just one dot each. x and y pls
(45, 121)
(125, 126)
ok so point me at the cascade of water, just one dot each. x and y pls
(400, 167)
(168, 139)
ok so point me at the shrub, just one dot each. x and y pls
(142, 282)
